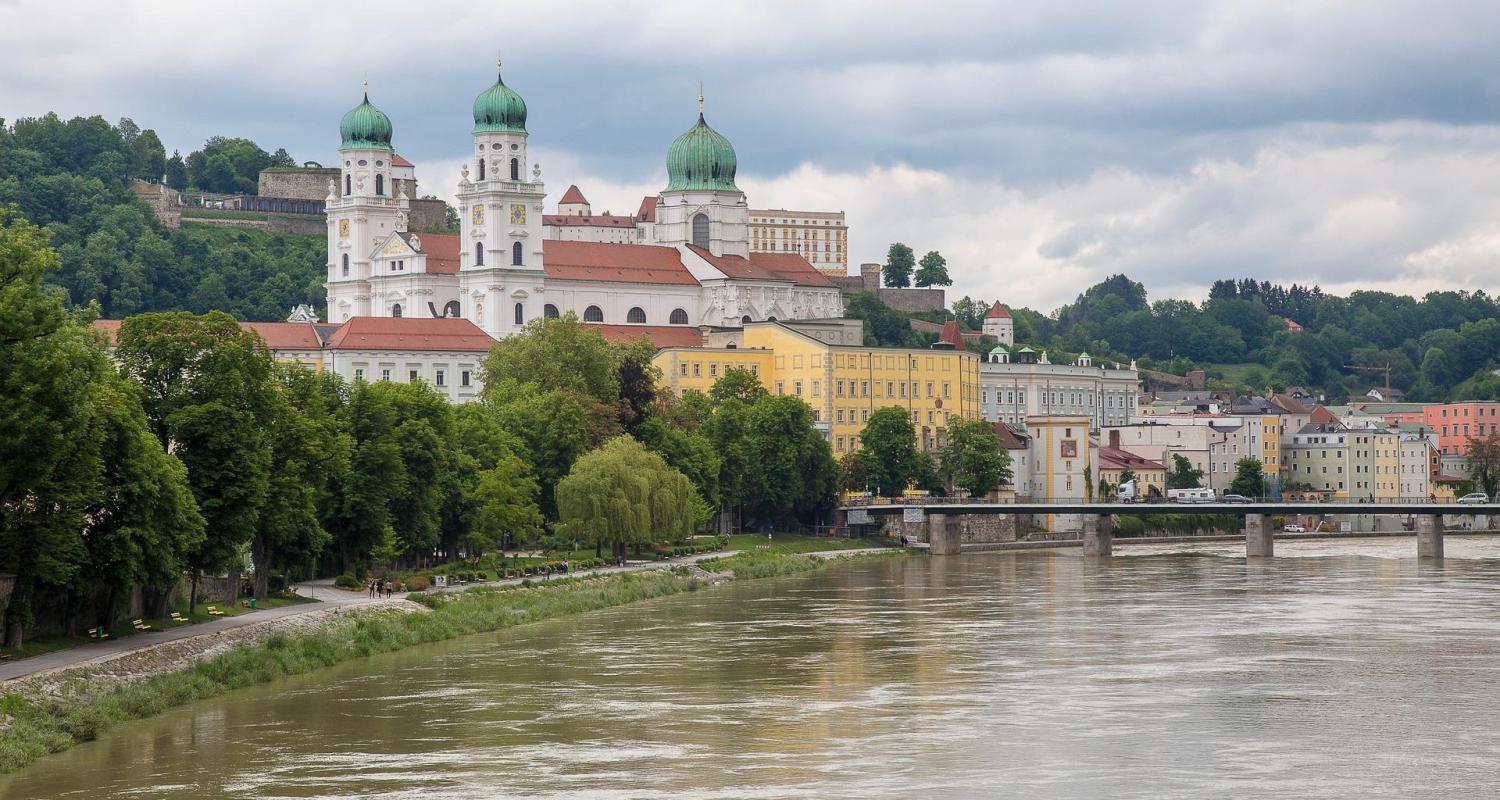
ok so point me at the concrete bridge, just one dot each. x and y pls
(1098, 518)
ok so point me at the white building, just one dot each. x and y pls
(687, 263)
(999, 324)
(822, 237)
(1415, 465)
(1019, 385)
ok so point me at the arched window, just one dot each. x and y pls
(380, 184)
(396, 310)
(451, 309)
(636, 316)
(348, 185)
(520, 314)
(679, 317)
(479, 254)
(481, 169)
(593, 314)
(346, 265)
(515, 169)
(700, 231)
(515, 254)
(549, 311)
(745, 320)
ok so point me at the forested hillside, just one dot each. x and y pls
(73, 178)
(1442, 346)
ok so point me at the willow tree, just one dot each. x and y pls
(623, 494)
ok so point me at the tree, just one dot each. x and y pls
(1484, 462)
(972, 459)
(888, 443)
(623, 494)
(637, 379)
(791, 474)
(176, 172)
(554, 354)
(504, 506)
(934, 271)
(899, 262)
(1183, 475)
(741, 384)
(970, 313)
(1248, 480)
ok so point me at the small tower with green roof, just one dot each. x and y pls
(361, 208)
(500, 196)
(701, 205)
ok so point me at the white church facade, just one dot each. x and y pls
(690, 266)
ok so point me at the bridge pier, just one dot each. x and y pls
(1098, 535)
(1259, 538)
(942, 540)
(1430, 536)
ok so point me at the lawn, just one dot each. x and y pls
(794, 543)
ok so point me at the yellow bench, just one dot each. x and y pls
(213, 611)
(141, 625)
(97, 633)
(179, 619)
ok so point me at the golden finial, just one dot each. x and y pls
(497, 61)
(700, 98)
(366, 84)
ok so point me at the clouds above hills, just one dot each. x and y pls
(1040, 146)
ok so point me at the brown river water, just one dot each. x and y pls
(1340, 669)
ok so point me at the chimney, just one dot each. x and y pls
(1114, 439)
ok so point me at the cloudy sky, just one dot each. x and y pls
(1040, 146)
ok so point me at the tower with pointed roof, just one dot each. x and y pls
(998, 323)
(500, 218)
(701, 205)
(362, 210)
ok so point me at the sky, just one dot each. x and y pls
(1040, 146)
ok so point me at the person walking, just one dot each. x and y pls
(370, 588)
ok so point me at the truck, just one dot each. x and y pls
(1190, 495)
(1128, 492)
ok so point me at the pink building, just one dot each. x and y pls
(1456, 423)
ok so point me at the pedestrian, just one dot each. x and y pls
(380, 587)
(370, 587)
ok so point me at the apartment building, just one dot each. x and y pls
(822, 237)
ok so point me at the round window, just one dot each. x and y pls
(515, 146)
(379, 163)
(495, 146)
(363, 163)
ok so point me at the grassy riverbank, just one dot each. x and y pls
(35, 726)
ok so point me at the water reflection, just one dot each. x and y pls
(1338, 669)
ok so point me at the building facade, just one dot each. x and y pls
(822, 237)
(1456, 423)
(1020, 385)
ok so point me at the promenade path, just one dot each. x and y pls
(323, 591)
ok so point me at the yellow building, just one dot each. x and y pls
(843, 382)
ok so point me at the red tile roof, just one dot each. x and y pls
(594, 221)
(1116, 458)
(791, 266)
(660, 335)
(276, 335)
(1008, 438)
(647, 211)
(110, 328)
(733, 266)
(952, 335)
(398, 161)
(616, 263)
(997, 311)
(410, 333)
(572, 195)
(442, 251)
(1322, 415)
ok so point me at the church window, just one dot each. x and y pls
(700, 230)
(515, 254)
(481, 169)
(396, 310)
(636, 316)
(593, 314)
(679, 317)
(515, 169)
(520, 314)
(346, 265)
(348, 185)
(451, 309)
(745, 320)
(549, 311)
(479, 254)
(379, 184)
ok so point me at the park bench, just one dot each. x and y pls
(178, 619)
(97, 633)
(213, 611)
(141, 625)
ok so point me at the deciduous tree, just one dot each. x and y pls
(899, 262)
(972, 459)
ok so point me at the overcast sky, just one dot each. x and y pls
(1039, 146)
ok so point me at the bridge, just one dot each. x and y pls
(1098, 517)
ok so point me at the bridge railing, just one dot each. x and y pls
(1290, 501)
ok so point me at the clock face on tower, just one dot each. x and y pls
(344, 227)
(478, 215)
(517, 214)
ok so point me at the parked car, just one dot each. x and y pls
(1294, 528)
(1474, 499)
(1234, 498)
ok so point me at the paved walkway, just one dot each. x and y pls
(321, 590)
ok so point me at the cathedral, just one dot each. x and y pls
(500, 271)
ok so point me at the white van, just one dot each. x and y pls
(1190, 495)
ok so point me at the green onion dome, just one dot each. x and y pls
(499, 108)
(365, 127)
(701, 159)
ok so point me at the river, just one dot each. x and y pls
(1339, 669)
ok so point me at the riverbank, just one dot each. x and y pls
(51, 713)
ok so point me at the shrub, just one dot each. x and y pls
(418, 583)
(347, 581)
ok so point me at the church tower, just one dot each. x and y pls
(361, 210)
(500, 213)
(701, 205)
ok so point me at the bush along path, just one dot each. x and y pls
(76, 709)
